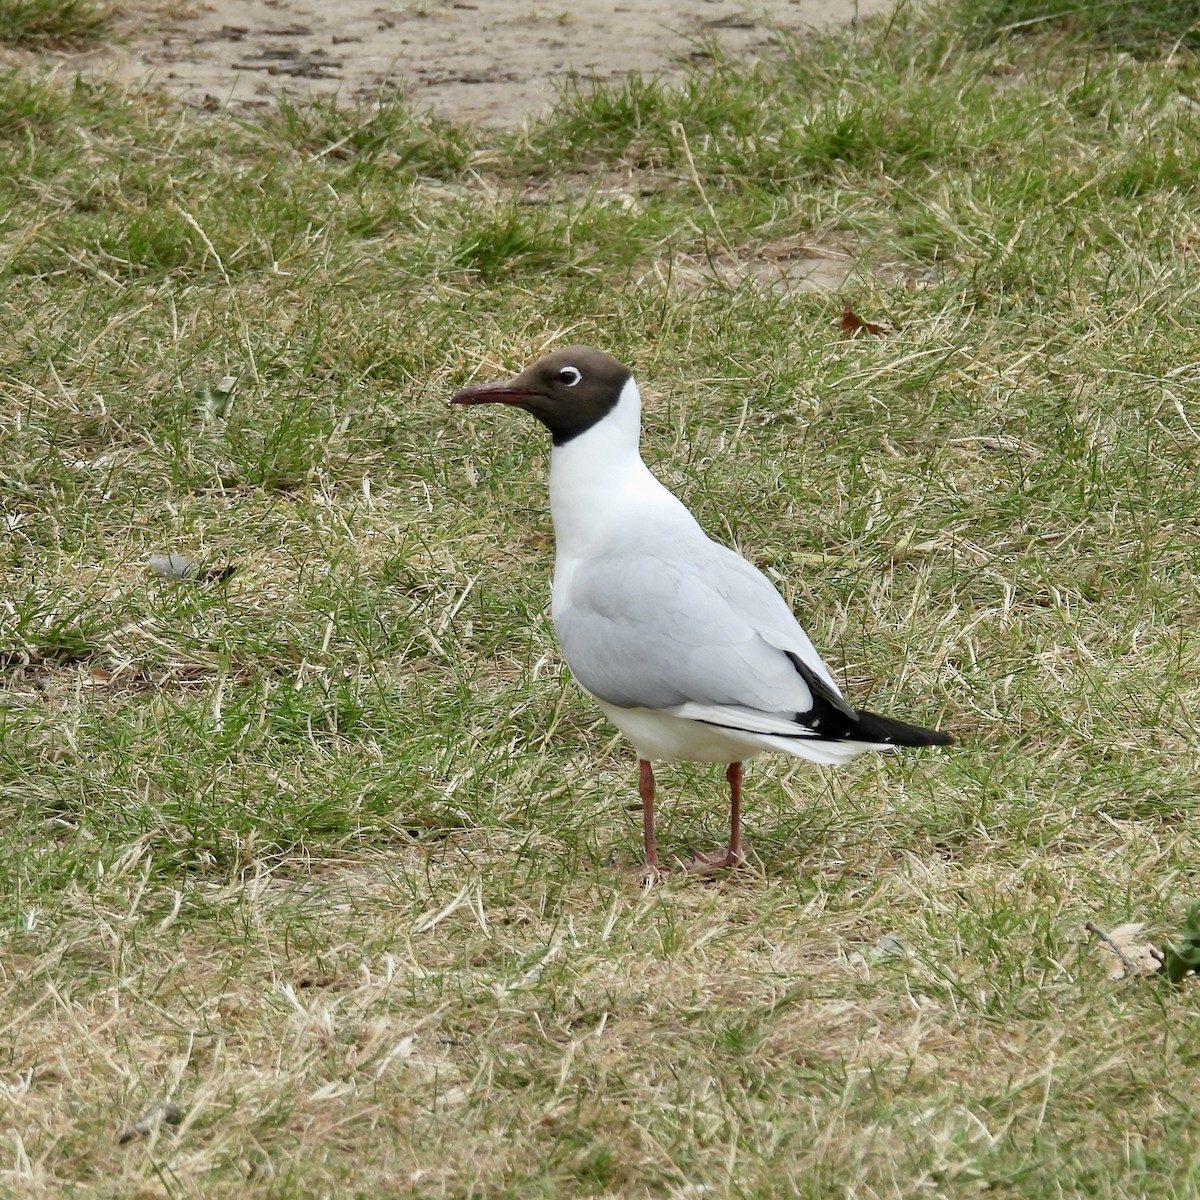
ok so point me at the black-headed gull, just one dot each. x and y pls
(686, 647)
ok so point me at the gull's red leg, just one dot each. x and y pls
(731, 857)
(734, 775)
(646, 791)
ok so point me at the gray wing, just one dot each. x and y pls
(694, 624)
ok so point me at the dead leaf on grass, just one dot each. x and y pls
(1127, 951)
(853, 324)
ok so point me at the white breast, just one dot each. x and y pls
(600, 489)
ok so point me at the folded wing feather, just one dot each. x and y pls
(697, 626)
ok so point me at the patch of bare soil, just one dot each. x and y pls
(493, 62)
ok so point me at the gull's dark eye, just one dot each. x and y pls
(570, 376)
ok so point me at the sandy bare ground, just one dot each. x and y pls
(493, 62)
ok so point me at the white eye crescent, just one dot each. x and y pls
(570, 376)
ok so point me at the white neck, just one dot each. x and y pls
(594, 468)
(599, 486)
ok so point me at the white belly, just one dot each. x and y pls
(662, 737)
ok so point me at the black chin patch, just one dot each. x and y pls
(567, 421)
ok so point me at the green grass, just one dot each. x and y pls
(53, 24)
(334, 856)
(1148, 26)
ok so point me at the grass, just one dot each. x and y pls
(1150, 27)
(333, 856)
(54, 24)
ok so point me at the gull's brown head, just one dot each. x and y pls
(568, 390)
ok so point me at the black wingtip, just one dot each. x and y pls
(871, 727)
(832, 718)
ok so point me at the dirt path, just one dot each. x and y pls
(490, 61)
